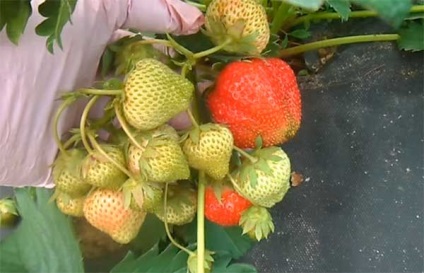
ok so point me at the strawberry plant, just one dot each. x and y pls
(209, 185)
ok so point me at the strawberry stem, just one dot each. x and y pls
(65, 104)
(245, 154)
(282, 14)
(100, 92)
(154, 41)
(168, 233)
(192, 118)
(201, 222)
(175, 45)
(337, 41)
(334, 15)
(71, 141)
(83, 121)
(125, 127)
(212, 50)
(97, 146)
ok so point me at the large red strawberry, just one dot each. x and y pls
(227, 209)
(259, 97)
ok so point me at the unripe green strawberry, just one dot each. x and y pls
(67, 173)
(265, 181)
(100, 172)
(132, 52)
(105, 210)
(142, 195)
(161, 159)
(181, 204)
(209, 148)
(243, 21)
(72, 206)
(154, 94)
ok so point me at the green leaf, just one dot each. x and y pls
(412, 37)
(311, 5)
(173, 260)
(44, 240)
(58, 13)
(342, 7)
(132, 264)
(273, 48)
(14, 14)
(392, 11)
(170, 260)
(106, 62)
(220, 238)
(223, 264)
(300, 34)
(285, 42)
(240, 268)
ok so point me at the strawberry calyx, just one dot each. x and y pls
(248, 170)
(133, 194)
(231, 38)
(192, 262)
(257, 223)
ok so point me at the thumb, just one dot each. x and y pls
(164, 16)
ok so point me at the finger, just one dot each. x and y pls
(164, 16)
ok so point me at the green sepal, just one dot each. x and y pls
(257, 223)
(208, 262)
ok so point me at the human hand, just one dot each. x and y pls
(33, 78)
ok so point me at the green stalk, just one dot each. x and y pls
(337, 41)
(192, 119)
(201, 222)
(212, 50)
(334, 15)
(98, 148)
(100, 92)
(83, 121)
(245, 154)
(154, 41)
(125, 127)
(280, 17)
(71, 141)
(168, 233)
(65, 104)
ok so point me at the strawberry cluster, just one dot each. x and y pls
(228, 166)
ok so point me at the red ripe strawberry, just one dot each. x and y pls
(227, 210)
(257, 98)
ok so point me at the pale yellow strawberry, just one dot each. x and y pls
(209, 148)
(67, 173)
(72, 206)
(153, 94)
(181, 204)
(244, 22)
(266, 181)
(105, 210)
(160, 159)
(98, 171)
